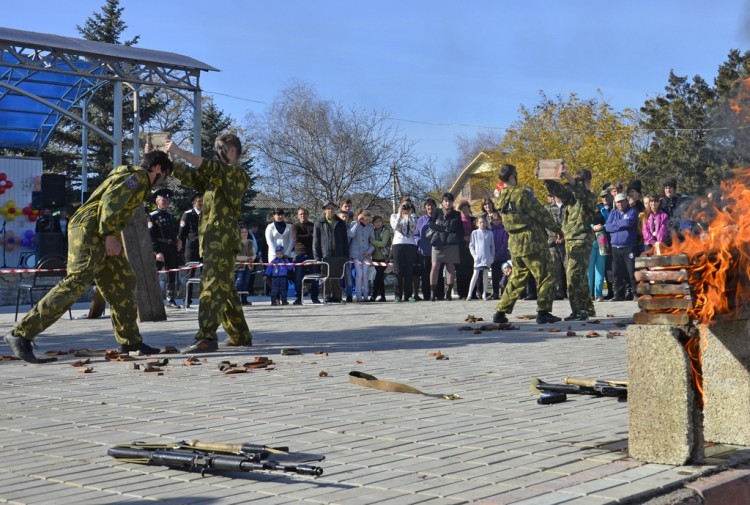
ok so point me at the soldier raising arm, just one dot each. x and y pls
(526, 220)
(222, 182)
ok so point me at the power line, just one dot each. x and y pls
(506, 128)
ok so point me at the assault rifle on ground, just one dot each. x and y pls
(218, 457)
(555, 393)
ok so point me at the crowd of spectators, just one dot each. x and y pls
(442, 251)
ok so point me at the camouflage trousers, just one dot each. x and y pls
(578, 255)
(219, 298)
(558, 269)
(87, 263)
(540, 267)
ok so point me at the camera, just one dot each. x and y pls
(406, 206)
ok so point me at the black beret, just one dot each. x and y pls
(165, 192)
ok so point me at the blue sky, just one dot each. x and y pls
(439, 67)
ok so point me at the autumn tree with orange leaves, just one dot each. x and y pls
(586, 133)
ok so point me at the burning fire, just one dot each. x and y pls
(720, 253)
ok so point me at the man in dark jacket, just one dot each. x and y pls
(331, 245)
(303, 251)
(163, 230)
(188, 234)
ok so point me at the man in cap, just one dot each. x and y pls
(163, 230)
(622, 226)
(331, 245)
(222, 182)
(95, 254)
(526, 219)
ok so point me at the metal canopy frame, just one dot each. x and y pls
(45, 77)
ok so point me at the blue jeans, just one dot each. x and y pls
(243, 281)
(597, 267)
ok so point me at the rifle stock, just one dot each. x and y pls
(598, 388)
(206, 461)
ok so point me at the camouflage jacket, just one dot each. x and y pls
(525, 220)
(222, 186)
(112, 206)
(579, 209)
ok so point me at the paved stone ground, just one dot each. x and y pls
(494, 445)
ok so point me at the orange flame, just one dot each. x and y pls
(720, 254)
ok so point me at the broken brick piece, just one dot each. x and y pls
(57, 353)
(81, 362)
(323, 374)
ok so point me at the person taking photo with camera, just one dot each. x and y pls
(404, 250)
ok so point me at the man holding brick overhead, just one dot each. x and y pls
(525, 221)
(580, 207)
(222, 182)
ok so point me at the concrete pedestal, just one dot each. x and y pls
(664, 421)
(725, 349)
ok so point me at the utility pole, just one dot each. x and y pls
(397, 191)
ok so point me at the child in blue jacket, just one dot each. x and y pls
(278, 272)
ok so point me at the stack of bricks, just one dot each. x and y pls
(666, 422)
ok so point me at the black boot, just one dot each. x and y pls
(448, 290)
(433, 290)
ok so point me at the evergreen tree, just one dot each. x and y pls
(63, 153)
(677, 125)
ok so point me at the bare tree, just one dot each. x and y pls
(469, 146)
(312, 150)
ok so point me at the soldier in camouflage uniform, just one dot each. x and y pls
(222, 182)
(557, 246)
(95, 254)
(580, 206)
(525, 220)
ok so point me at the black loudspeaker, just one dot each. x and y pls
(36, 200)
(50, 243)
(53, 191)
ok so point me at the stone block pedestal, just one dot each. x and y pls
(725, 348)
(664, 422)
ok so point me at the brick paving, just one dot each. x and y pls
(494, 445)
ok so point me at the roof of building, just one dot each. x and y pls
(480, 164)
(44, 76)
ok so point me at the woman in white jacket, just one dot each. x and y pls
(279, 233)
